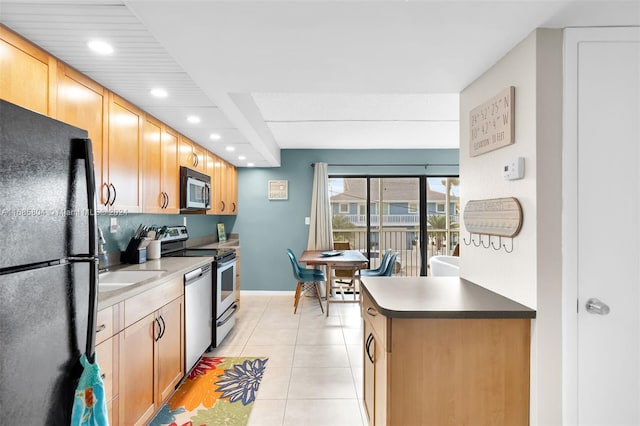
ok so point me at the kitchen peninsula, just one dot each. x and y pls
(444, 351)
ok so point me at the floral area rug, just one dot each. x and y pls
(218, 391)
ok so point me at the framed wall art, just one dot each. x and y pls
(278, 190)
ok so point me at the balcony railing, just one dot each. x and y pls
(403, 241)
(390, 219)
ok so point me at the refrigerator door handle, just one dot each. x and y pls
(87, 155)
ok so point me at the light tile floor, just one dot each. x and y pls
(314, 372)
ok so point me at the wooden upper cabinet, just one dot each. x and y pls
(82, 102)
(159, 168)
(213, 169)
(152, 196)
(170, 170)
(185, 153)
(224, 186)
(201, 158)
(229, 188)
(192, 155)
(28, 74)
(232, 188)
(125, 128)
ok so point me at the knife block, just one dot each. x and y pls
(136, 251)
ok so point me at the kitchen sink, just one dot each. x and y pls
(114, 280)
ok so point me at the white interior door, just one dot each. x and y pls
(608, 231)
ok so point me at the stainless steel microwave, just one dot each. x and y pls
(195, 191)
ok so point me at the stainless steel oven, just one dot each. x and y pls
(225, 289)
(224, 278)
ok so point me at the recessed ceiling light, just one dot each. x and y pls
(242, 157)
(193, 119)
(101, 47)
(215, 136)
(159, 92)
(230, 148)
(249, 164)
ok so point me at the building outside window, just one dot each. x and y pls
(394, 220)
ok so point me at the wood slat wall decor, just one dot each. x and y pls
(498, 216)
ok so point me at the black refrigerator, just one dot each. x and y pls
(48, 265)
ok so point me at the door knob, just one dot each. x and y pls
(595, 306)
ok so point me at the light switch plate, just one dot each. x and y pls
(307, 221)
(513, 169)
(113, 225)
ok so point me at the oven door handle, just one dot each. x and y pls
(229, 314)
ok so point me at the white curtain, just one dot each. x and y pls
(320, 231)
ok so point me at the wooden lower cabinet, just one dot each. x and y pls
(375, 375)
(107, 358)
(137, 370)
(445, 371)
(151, 362)
(169, 353)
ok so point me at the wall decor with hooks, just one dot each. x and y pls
(496, 217)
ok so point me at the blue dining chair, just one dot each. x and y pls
(380, 268)
(389, 268)
(305, 276)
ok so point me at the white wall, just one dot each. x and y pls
(531, 274)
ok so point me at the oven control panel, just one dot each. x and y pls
(175, 233)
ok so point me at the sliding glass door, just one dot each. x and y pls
(442, 215)
(415, 216)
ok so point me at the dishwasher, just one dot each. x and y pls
(198, 308)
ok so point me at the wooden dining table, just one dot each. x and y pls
(345, 259)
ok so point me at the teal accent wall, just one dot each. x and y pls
(267, 228)
(197, 225)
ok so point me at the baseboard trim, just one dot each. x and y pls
(266, 293)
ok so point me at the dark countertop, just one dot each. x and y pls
(173, 267)
(439, 297)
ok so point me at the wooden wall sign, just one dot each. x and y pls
(497, 216)
(492, 123)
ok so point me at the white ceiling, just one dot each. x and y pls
(268, 74)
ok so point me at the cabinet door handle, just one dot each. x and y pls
(167, 203)
(195, 160)
(115, 194)
(164, 327)
(234, 207)
(223, 206)
(163, 204)
(371, 311)
(159, 330)
(162, 200)
(105, 185)
(368, 346)
(101, 327)
(103, 376)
